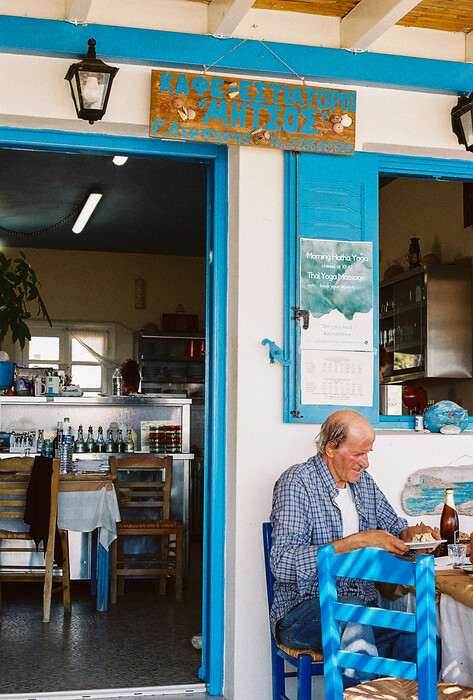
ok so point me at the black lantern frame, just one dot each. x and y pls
(90, 81)
(462, 121)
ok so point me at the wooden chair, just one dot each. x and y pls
(308, 662)
(146, 496)
(15, 474)
(413, 680)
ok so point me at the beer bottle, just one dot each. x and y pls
(448, 522)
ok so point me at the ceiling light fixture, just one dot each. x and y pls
(87, 210)
(462, 121)
(91, 82)
(120, 160)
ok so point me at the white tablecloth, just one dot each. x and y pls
(456, 631)
(84, 511)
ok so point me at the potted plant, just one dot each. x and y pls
(18, 287)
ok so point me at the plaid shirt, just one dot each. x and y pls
(305, 516)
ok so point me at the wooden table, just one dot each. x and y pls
(86, 503)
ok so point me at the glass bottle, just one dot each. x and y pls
(120, 445)
(79, 445)
(100, 444)
(413, 255)
(90, 445)
(449, 524)
(130, 445)
(57, 442)
(40, 442)
(47, 448)
(110, 444)
(117, 383)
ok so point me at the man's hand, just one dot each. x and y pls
(409, 533)
(371, 538)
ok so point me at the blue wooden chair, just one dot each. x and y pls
(411, 680)
(307, 662)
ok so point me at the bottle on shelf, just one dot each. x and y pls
(79, 445)
(47, 448)
(57, 442)
(40, 442)
(65, 463)
(117, 383)
(110, 444)
(90, 444)
(129, 445)
(120, 445)
(449, 525)
(413, 255)
(100, 444)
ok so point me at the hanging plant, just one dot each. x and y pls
(18, 288)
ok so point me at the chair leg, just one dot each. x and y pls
(279, 679)
(178, 565)
(66, 572)
(304, 677)
(48, 584)
(164, 560)
(120, 560)
(113, 572)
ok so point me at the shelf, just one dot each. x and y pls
(404, 309)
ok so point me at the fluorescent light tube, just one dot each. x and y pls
(120, 160)
(92, 200)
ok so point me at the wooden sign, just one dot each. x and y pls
(225, 110)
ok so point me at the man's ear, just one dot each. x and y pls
(330, 449)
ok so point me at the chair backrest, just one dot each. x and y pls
(374, 564)
(267, 531)
(153, 493)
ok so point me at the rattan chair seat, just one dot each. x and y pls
(401, 689)
(315, 654)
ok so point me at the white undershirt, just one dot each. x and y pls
(346, 503)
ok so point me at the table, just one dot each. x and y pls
(86, 503)
(454, 621)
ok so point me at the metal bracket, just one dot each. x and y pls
(275, 353)
(301, 313)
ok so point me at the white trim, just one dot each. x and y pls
(224, 16)
(106, 694)
(370, 19)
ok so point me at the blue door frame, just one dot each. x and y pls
(216, 304)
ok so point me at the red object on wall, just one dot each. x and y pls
(414, 397)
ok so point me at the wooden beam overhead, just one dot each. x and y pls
(77, 11)
(224, 16)
(369, 19)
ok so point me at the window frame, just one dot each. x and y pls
(59, 330)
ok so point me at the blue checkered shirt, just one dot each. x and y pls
(305, 516)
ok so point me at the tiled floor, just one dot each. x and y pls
(143, 640)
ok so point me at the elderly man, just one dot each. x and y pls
(331, 499)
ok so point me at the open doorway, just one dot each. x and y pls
(109, 256)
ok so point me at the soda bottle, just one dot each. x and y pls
(449, 524)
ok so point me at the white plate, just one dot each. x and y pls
(424, 545)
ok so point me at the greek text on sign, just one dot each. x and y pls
(224, 110)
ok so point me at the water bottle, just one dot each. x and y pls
(65, 463)
(117, 383)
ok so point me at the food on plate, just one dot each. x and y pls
(424, 537)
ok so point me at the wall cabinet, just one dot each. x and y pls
(171, 362)
(425, 322)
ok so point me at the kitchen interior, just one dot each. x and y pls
(130, 285)
(425, 294)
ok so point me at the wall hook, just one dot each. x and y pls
(275, 352)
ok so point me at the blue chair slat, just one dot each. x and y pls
(378, 565)
(305, 667)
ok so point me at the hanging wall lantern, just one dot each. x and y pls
(462, 121)
(91, 82)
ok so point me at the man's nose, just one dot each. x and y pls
(364, 462)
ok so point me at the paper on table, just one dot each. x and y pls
(442, 564)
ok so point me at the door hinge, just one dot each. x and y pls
(301, 313)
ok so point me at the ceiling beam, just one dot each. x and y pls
(77, 11)
(224, 16)
(469, 48)
(369, 19)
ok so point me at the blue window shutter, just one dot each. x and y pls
(327, 197)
